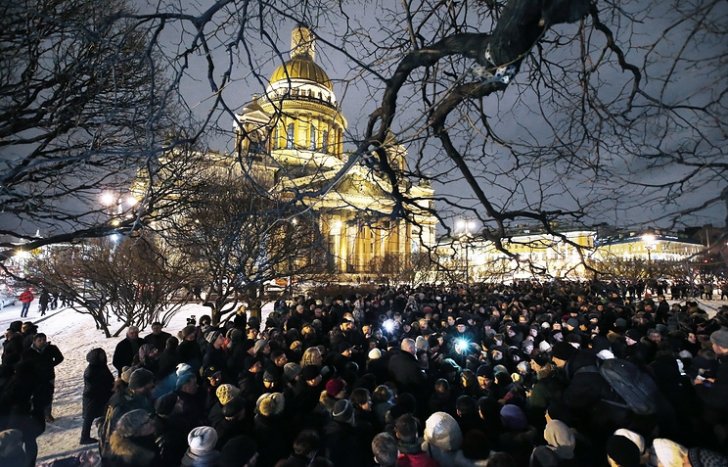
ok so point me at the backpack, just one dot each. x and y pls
(634, 386)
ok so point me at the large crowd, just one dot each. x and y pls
(527, 374)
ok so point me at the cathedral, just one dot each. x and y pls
(294, 134)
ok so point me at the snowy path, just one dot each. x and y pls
(75, 334)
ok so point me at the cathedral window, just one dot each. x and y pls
(313, 138)
(325, 141)
(289, 136)
(276, 137)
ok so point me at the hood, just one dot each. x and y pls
(96, 356)
(442, 431)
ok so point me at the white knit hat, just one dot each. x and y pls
(202, 439)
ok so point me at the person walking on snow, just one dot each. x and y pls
(26, 298)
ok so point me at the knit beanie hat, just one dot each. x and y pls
(623, 451)
(259, 344)
(140, 378)
(291, 370)
(636, 438)
(131, 422)
(212, 336)
(562, 351)
(443, 432)
(701, 457)
(226, 392)
(271, 403)
(310, 372)
(343, 411)
(183, 368)
(334, 386)
(374, 354)
(202, 439)
(561, 438)
(513, 417)
(164, 406)
(183, 379)
(668, 452)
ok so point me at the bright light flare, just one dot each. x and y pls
(388, 325)
(461, 345)
(107, 198)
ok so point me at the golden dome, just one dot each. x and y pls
(302, 67)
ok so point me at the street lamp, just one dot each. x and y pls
(650, 241)
(463, 227)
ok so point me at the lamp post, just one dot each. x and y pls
(463, 227)
(649, 240)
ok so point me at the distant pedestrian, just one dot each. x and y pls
(26, 298)
(97, 388)
(45, 357)
(126, 349)
(43, 301)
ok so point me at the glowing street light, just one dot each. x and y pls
(464, 227)
(650, 241)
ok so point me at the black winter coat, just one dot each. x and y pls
(406, 373)
(125, 352)
(98, 383)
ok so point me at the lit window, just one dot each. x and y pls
(289, 136)
(325, 141)
(312, 145)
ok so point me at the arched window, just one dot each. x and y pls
(312, 144)
(276, 137)
(289, 136)
(325, 141)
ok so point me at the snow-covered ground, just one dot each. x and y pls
(75, 334)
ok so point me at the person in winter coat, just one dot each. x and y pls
(345, 445)
(443, 440)
(518, 437)
(171, 433)
(168, 358)
(157, 338)
(127, 349)
(405, 371)
(13, 345)
(201, 451)
(45, 357)
(43, 301)
(16, 402)
(132, 442)
(272, 429)
(98, 383)
(26, 298)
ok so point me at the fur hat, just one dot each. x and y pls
(343, 411)
(720, 337)
(374, 354)
(442, 431)
(271, 403)
(126, 373)
(668, 452)
(335, 386)
(131, 423)
(226, 392)
(140, 378)
(202, 439)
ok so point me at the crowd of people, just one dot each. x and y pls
(527, 374)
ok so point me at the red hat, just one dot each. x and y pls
(335, 386)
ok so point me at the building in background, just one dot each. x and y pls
(292, 138)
